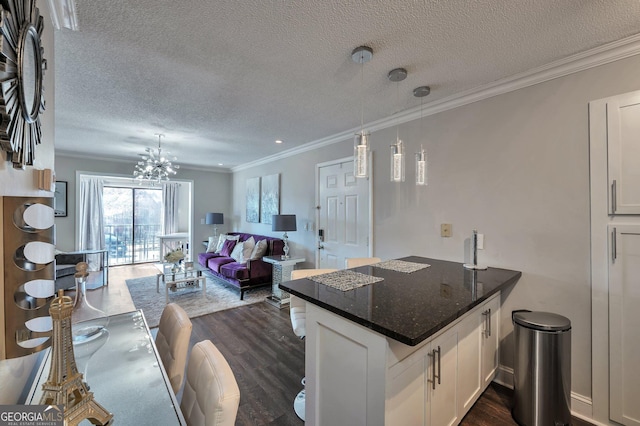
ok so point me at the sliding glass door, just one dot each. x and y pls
(132, 221)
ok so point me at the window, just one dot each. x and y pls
(132, 221)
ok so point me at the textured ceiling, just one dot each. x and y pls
(224, 79)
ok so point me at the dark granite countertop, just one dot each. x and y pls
(408, 307)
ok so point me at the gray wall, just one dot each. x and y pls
(297, 196)
(515, 167)
(212, 193)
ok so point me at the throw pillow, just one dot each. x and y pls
(249, 244)
(236, 254)
(224, 237)
(259, 250)
(227, 247)
(212, 245)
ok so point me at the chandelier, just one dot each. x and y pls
(155, 165)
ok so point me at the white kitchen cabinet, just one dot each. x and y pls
(438, 384)
(470, 364)
(623, 145)
(478, 352)
(624, 324)
(356, 376)
(443, 407)
(422, 389)
(490, 338)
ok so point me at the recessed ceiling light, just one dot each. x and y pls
(278, 141)
(219, 164)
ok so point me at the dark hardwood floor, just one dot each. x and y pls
(268, 362)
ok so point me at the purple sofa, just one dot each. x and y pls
(245, 276)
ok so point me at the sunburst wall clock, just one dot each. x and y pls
(22, 67)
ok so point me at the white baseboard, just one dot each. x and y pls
(581, 406)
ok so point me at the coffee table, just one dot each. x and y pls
(184, 277)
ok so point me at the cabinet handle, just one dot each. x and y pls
(614, 197)
(485, 328)
(614, 246)
(484, 325)
(439, 364)
(432, 354)
(489, 323)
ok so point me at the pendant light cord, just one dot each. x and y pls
(421, 125)
(160, 135)
(361, 93)
(397, 111)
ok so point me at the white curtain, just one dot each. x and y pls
(170, 210)
(91, 219)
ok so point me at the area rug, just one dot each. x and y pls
(219, 296)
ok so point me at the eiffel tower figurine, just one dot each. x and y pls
(65, 385)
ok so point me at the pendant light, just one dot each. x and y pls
(397, 149)
(421, 157)
(361, 55)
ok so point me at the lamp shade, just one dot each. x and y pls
(283, 222)
(214, 219)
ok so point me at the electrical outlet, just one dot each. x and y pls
(445, 230)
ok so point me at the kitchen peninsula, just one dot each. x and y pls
(413, 348)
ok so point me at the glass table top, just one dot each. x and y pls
(125, 374)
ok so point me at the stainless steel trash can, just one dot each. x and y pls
(542, 369)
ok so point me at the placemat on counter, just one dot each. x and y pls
(401, 266)
(345, 280)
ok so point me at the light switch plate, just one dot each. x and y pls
(480, 241)
(445, 230)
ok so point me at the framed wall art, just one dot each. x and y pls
(270, 198)
(60, 199)
(253, 200)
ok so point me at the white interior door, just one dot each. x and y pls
(624, 324)
(343, 214)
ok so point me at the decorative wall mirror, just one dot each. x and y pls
(22, 69)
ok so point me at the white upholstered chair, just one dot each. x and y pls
(172, 341)
(298, 313)
(354, 262)
(211, 395)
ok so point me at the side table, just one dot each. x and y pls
(281, 272)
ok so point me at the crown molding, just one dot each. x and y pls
(116, 159)
(601, 55)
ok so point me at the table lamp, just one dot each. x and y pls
(214, 219)
(284, 222)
